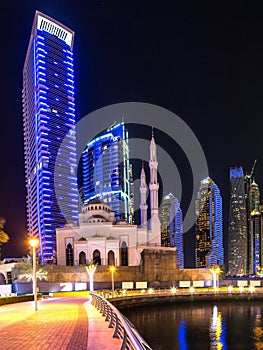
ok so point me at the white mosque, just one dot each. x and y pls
(107, 241)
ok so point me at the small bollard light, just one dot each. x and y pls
(192, 290)
(150, 291)
(142, 291)
(251, 289)
(173, 290)
(230, 289)
(241, 289)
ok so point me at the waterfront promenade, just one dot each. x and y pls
(62, 323)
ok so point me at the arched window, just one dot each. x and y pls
(111, 258)
(96, 257)
(69, 255)
(82, 258)
(2, 278)
(124, 254)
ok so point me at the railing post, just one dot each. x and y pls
(112, 315)
(108, 315)
(115, 334)
(123, 345)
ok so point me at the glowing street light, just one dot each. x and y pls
(34, 242)
(112, 270)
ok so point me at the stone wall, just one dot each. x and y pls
(158, 266)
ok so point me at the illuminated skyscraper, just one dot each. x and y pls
(254, 239)
(256, 244)
(254, 196)
(237, 232)
(49, 119)
(171, 220)
(176, 231)
(209, 225)
(164, 215)
(106, 171)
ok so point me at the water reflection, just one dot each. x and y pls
(258, 330)
(217, 330)
(182, 336)
(237, 325)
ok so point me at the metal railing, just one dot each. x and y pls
(123, 328)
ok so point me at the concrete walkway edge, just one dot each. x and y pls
(100, 336)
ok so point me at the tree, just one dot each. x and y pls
(91, 268)
(26, 270)
(4, 238)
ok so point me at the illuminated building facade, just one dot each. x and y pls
(176, 230)
(49, 119)
(253, 226)
(165, 219)
(209, 225)
(256, 244)
(237, 232)
(106, 171)
(171, 220)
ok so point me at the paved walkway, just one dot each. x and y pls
(70, 323)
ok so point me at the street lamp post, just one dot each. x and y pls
(112, 270)
(34, 244)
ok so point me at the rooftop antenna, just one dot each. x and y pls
(253, 168)
(112, 125)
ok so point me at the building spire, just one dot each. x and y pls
(143, 197)
(154, 188)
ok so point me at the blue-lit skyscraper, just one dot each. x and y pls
(49, 119)
(176, 230)
(209, 225)
(106, 171)
(171, 220)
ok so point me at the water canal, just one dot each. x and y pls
(223, 325)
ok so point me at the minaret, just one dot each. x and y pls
(143, 203)
(154, 187)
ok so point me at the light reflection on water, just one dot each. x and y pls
(224, 326)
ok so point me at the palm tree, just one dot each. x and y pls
(26, 270)
(4, 238)
(91, 268)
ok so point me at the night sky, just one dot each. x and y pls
(201, 60)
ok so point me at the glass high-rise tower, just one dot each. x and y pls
(171, 220)
(237, 232)
(107, 171)
(49, 121)
(209, 225)
(176, 231)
